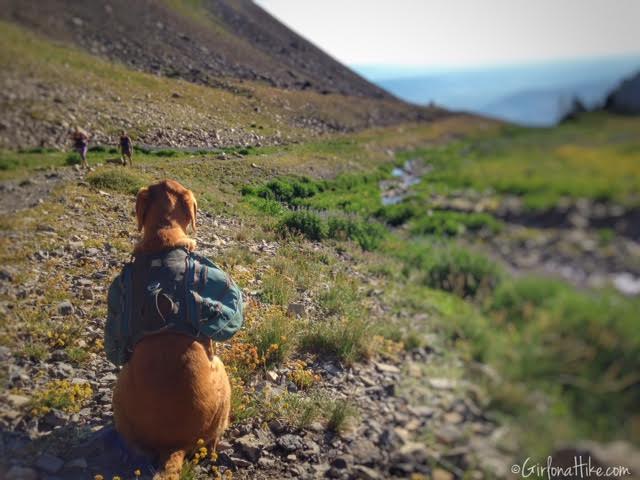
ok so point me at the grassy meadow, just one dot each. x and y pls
(565, 360)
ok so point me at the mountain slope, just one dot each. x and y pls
(197, 41)
(181, 74)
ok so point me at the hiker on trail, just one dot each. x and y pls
(126, 148)
(80, 143)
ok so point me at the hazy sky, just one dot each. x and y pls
(462, 32)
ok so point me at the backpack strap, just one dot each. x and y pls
(126, 289)
(189, 280)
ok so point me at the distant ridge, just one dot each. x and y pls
(626, 98)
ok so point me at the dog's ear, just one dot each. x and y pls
(191, 207)
(142, 202)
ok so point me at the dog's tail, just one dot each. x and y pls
(171, 466)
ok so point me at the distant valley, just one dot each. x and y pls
(535, 94)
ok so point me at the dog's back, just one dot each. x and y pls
(170, 394)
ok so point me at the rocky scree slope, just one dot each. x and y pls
(196, 41)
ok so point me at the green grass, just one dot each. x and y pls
(118, 180)
(597, 157)
(448, 267)
(341, 297)
(275, 329)
(343, 337)
(444, 223)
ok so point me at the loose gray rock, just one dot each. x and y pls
(365, 473)
(289, 442)
(65, 308)
(296, 310)
(387, 368)
(249, 447)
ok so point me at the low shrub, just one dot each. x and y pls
(518, 299)
(341, 413)
(369, 235)
(145, 150)
(273, 336)
(285, 190)
(166, 153)
(344, 337)
(398, 214)
(117, 180)
(306, 223)
(61, 395)
(267, 206)
(341, 297)
(445, 223)
(453, 269)
(73, 159)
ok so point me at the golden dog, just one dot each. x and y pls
(173, 391)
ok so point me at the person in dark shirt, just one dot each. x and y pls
(126, 148)
(80, 144)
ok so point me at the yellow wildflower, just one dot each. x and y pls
(98, 477)
(137, 472)
(200, 442)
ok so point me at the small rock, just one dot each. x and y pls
(249, 447)
(289, 442)
(316, 427)
(265, 462)
(366, 473)
(440, 474)
(342, 462)
(273, 376)
(18, 401)
(367, 381)
(389, 438)
(414, 450)
(49, 463)
(296, 310)
(449, 434)
(65, 308)
(241, 462)
(386, 368)
(442, 383)
(55, 418)
(21, 473)
(453, 418)
(422, 411)
(277, 426)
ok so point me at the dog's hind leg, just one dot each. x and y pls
(171, 465)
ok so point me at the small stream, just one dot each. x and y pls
(584, 269)
(396, 189)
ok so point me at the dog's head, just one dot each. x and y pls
(165, 204)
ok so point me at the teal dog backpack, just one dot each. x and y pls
(175, 291)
